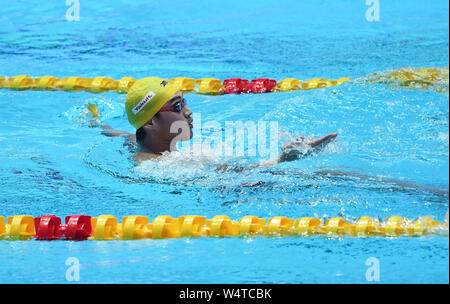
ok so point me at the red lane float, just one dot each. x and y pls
(76, 227)
(236, 86)
(47, 227)
(262, 85)
(239, 85)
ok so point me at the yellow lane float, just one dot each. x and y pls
(183, 84)
(288, 84)
(47, 83)
(209, 86)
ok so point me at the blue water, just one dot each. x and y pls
(53, 162)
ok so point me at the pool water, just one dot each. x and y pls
(391, 156)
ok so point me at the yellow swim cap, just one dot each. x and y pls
(145, 98)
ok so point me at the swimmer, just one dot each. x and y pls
(153, 106)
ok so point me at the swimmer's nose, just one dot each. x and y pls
(187, 113)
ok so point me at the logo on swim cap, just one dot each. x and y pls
(163, 83)
(143, 102)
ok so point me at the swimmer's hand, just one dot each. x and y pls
(301, 148)
(94, 115)
(107, 130)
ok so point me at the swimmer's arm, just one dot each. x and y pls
(96, 122)
(130, 142)
(289, 153)
(130, 139)
(432, 189)
(108, 131)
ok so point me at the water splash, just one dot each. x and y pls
(436, 79)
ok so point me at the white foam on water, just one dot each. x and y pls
(443, 137)
(197, 160)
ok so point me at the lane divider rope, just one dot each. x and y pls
(405, 77)
(107, 227)
(210, 86)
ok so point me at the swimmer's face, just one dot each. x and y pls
(173, 121)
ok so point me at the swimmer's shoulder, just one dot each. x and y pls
(141, 155)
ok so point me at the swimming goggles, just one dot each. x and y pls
(176, 108)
